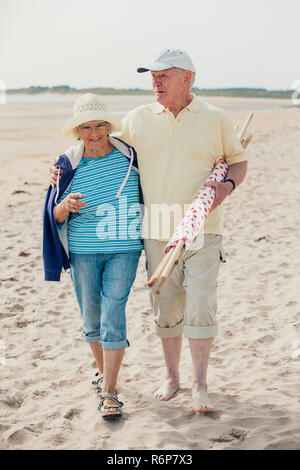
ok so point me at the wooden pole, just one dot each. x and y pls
(157, 273)
(245, 126)
(163, 281)
(248, 140)
(172, 260)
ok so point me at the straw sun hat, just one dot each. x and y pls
(89, 107)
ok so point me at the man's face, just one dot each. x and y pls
(169, 86)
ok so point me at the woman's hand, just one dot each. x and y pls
(70, 204)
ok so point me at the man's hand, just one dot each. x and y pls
(222, 190)
(54, 172)
(237, 172)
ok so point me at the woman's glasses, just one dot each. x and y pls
(88, 128)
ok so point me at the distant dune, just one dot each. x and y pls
(238, 92)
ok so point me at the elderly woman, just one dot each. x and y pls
(92, 225)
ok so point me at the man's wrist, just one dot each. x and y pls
(230, 183)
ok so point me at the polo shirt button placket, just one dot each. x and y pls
(173, 129)
(171, 123)
(176, 126)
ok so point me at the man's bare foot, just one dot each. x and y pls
(201, 402)
(167, 390)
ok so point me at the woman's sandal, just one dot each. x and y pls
(97, 382)
(104, 409)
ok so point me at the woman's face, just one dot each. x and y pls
(93, 134)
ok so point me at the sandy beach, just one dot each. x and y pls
(46, 397)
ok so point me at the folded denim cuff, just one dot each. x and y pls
(200, 332)
(115, 344)
(90, 339)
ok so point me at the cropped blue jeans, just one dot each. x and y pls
(102, 283)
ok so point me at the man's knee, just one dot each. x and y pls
(168, 315)
(201, 312)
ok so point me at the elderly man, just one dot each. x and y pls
(178, 140)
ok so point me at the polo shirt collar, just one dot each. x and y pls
(193, 106)
(158, 108)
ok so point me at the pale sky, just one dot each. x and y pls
(82, 43)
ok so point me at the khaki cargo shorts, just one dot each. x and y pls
(188, 302)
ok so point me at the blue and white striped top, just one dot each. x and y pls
(108, 224)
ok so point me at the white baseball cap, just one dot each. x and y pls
(169, 58)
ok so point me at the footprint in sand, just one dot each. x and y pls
(239, 434)
(15, 401)
(23, 323)
(6, 315)
(27, 270)
(33, 184)
(72, 413)
(53, 312)
(12, 279)
(20, 191)
(39, 393)
(37, 354)
(17, 308)
(291, 303)
(19, 437)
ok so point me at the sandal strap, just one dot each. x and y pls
(107, 407)
(104, 410)
(98, 381)
(111, 397)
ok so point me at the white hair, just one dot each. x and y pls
(109, 127)
(193, 79)
(184, 70)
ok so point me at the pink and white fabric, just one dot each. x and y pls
(196, 214)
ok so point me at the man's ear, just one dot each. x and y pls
(188, 77)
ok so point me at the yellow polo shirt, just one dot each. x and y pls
(176, 157)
